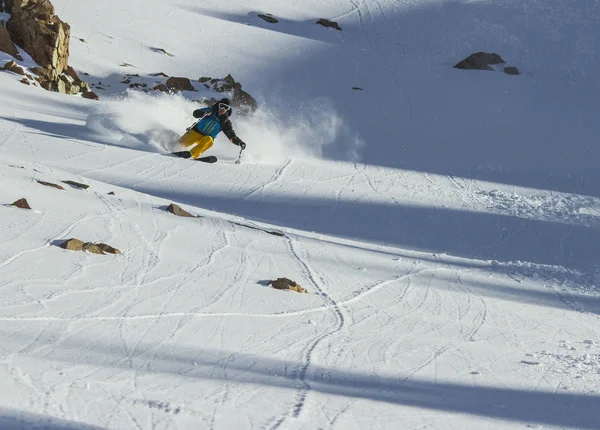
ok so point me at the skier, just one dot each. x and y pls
(202, 134)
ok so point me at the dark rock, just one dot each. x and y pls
(12, 66)
(327, 23)
(179, 84)
(161, 87)
(268, 17)
(50, 184)
(286, 284)
(479, 61)
(95, 248)
(6, 43)
(77, 184)
(90, 95)
(22, 203)
(176, 210)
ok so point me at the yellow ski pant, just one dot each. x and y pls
(202, 142)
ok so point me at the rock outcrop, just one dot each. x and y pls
(176, 84)
(34, 27)
(240, 98)
(6, 44)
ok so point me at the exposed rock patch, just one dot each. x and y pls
(176, 210)
(330, 24)
(95, 248)
(286, 284)
(12, 66)
(240, 98)
(480, 61)
(268, 17)
(176, 84)
(22, 203)
(511, 70)
(50, 184)
(77, 184)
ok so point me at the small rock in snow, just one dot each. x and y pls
(475, 373)
(589, 342)
(532, 363)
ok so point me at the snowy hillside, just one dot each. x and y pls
(445, 223)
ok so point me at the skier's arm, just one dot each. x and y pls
(199, 113)
(228, 131)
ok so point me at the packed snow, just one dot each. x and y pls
(445, 222)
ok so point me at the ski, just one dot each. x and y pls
(188, 154)
(208, 159)
(182, 154)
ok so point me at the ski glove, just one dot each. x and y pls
(239, 142)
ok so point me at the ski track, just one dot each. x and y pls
(277, 177)
(300, 373)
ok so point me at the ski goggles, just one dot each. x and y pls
(224, 106)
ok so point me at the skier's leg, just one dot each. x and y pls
(204, 143)
(190, 138)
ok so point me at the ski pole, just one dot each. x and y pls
(239, 156)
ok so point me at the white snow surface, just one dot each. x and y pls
(446, 223)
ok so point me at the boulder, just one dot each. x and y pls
(90, 95)
(50, 184)
(161, 87)
(77, 184)
(511, 70)
(330, 24)
(479, 61)
(179, 84)
(95, 248)
(240, 98)
(22, 203)
(286, 284)
(12, 66)
(176, 210)
(268, 17)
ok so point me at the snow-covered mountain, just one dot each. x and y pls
(445, 222)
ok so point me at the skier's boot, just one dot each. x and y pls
(182, 154)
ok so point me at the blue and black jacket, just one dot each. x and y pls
(213, 123)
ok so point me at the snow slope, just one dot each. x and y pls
(446, 223)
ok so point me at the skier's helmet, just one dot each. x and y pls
(225, 104)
